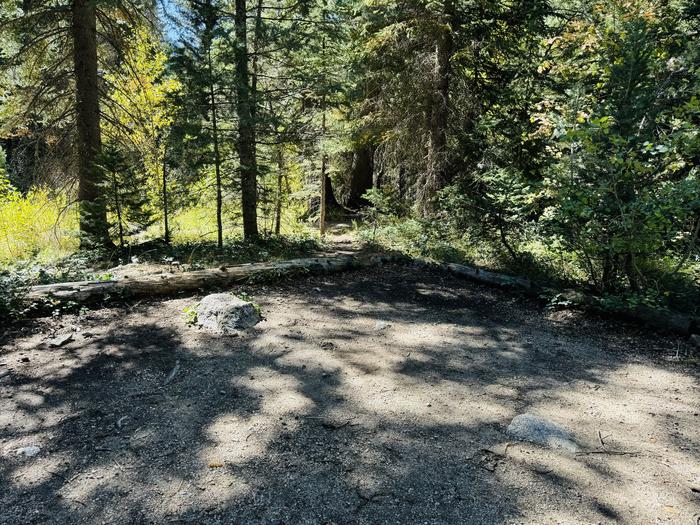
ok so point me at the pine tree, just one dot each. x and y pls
(126, 201)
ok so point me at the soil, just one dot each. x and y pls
(380, 396)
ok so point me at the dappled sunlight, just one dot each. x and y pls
(341, 406)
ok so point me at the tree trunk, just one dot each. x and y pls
(323, 207)
(257, 33)
(93, 213)
(246, 128)
(437, 169)
(402, 183)
(217, 155)
(324, 175)
(118, 209)
(278, 197)
(332, 204)
(361, 176)
(166, 228)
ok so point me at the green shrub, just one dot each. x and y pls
(12, 291)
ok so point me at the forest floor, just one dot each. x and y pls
(380, 396)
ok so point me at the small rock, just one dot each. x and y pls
(381, 325)
(226, 314)
(60, 340)
(529, 427)
(28, 452)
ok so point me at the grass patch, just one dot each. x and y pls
(36, 226)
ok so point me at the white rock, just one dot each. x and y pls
(28, 452)
(529, 427)
(225, 314)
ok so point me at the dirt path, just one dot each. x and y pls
(373, 397)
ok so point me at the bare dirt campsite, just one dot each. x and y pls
(349, 262)
(376, 396)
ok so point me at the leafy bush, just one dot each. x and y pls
(36, 225)
(12, 288)
(624, 192)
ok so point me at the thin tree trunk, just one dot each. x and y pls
(166, 228)
(278, 198)
(402, 183)
(324, 187)
(437, 173)
(323, 207)
(118, 208)
(246, 127)
(217, 156)
(257, 33)
(93, 213)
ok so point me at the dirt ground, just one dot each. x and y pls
(380, 396)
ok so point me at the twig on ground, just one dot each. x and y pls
(609, 452)
(600, 438)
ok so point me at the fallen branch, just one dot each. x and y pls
(609, 452)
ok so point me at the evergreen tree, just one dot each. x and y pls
(126, 201)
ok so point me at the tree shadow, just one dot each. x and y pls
(371, 398)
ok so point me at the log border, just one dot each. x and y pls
(47, 296)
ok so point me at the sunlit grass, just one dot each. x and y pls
(40, 227)
(37, 226)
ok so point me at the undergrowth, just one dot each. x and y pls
(669, 288)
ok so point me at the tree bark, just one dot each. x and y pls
(166, 228)
(324, 175)
(323, 208)
(361, 176)
(278, 197)
(246, 127)
(217, 155)
(118, 209)
(93, 213)
(437, 169)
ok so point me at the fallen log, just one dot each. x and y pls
(85, 292)
(481, 276)
(659, 319)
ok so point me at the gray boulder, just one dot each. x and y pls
(529, 427)
(225, 314)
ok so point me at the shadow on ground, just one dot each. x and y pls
(375, 397)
